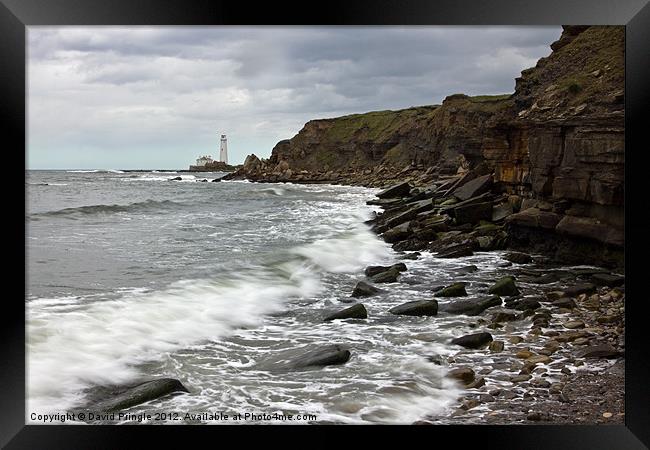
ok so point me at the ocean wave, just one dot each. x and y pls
(103, 342)
(107, 209)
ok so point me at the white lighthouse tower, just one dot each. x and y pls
(223, 152)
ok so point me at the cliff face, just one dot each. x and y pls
(555, 146)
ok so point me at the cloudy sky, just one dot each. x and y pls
(158, 97)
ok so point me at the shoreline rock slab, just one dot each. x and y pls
(363, 289)
(141, 393)
(416, 308)
(357, 311)
(474, 341)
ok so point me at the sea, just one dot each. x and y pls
(133, 276)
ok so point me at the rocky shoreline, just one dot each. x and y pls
(547, 353)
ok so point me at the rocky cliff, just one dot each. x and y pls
(555, 146)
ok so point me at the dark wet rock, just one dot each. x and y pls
(473, 188)
(584, 288)
(374, 270)
(357, 311)
(527, 303)
(398, 233)
(479, 382)
(610, 280)
(414, 255)
(518, 257)
(363, 289)
(504, 287)
(469, 214)
(565, 302)
(463, 374)
(306, 357)
(503, 316)
(175, 179)
(216, 180)
(205, 180)
(388, 276)
(454, 290)
(410, 245)
(470, 307)
(456, 251)
(599, 351)
(467, 269)
(398, 190)
(124, 398)
(501, 211)
(476, 340)
(416, 308)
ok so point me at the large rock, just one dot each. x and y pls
(583, 288)
(505, 287)
(456, 251)
(374, 270)
(416, 308)
(363, 289)
(606, 279)
(501, 211)
(399, 190)
(470, 307)
(534, 218)
(473, 188)
(453, 290)
(473, 213)
(357, 311)
(599, 351)
(518, 257)
(141, 393)
(388, 276)
(476, 340)
(591, 228)
(306, 357)
(398, 233)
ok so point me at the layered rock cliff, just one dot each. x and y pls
(555, 146)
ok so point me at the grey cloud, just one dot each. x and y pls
(145, 90)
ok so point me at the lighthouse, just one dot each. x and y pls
(223, 152)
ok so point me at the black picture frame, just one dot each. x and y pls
(16, 15)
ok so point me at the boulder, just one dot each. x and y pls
(175, 179)
(374, 270)
(534, 218)
(398, 190)
(216, 180)
(564, 302)
(363, 289)
(456, 251)
(463, 374)
(470, 307)
(606, 279)
(467, 269)
(504, 317)
(473, 213)
(476, 340)
(505, 287)
(473, 188)
(306, 357)
(518, 257)
(501, 211)
(454, 290)
(398, 233)
(388, 276)
(141, 393)
(416, 308)
(526, 304)
(584, 288)
(599, 351)
(357, 311)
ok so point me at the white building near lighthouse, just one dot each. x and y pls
(223, 151)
